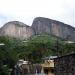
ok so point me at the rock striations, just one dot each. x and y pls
(16, 29)
(40, 25)
(52, 27)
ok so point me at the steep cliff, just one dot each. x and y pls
(40, 25)
(44, 25)
(16, 29)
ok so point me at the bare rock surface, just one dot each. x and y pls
(40, 25)
(52, 27)
(16, 29)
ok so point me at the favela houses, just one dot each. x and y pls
(47, 47)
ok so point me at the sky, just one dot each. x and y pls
(26, 10)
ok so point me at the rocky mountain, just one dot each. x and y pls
(40, 25)
(16, 29)
(44, 25)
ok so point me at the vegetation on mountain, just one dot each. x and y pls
(32, 49)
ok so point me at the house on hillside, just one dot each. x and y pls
(44, 68)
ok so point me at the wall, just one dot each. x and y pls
(65, 65)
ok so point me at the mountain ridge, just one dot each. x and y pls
(40, 25)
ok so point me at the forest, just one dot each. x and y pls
(32, 49)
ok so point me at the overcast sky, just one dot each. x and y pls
(26, 10)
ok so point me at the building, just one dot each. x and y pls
(48, 65)
(65, 65)
(44, 68)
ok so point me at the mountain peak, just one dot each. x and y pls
(39, 26)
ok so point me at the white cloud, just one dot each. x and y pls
(26, 10)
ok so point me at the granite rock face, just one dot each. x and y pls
(44, 25)
(16, 29)
(40, 25)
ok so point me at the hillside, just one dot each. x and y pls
(52, 27)
(16, 29)
(40, 25)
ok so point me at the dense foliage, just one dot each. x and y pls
(32, 50)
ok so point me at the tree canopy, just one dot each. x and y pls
(32, 49)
